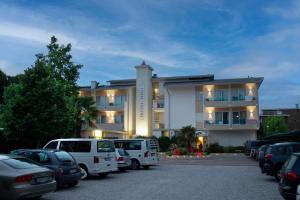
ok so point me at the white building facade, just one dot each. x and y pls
(224, 111)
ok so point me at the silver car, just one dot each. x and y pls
(23, 178)
(123, 159)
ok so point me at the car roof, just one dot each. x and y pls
(79, 139)
(296, 154)
(44, 150)
(284, 143)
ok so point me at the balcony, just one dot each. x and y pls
(110, 107)
(110, 127)
(159, 125)
(251, 124)
(158, 104)
(233, 102)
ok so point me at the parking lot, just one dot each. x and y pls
(223, 177)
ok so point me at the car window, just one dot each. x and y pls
(63, 156)
(283, 150)
(290, 162)
(20, 163)
(52, 145)
(40, 157)
(134, 145)
(75, 146)
(105, 146)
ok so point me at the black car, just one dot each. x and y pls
(290, 177)
(261, 155)
(276, 155)
(62, 163)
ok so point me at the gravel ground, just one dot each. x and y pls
(178, 181)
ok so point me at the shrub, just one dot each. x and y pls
(215, 148)
(164, 143)
(183, 151)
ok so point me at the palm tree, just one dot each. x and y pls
(187, 136)
(85, 113)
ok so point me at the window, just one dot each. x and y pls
(220, 95)
(63, 156)
(40, 157)
(105, 146)
(52, 145)
(221, 117)
(238, 94)
(119, 119)
(239, 117)
(101, 119)
(129, 145)
(120, 99)
(75, 146)
(102, 100)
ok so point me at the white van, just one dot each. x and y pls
(143, 152)
(95, 157)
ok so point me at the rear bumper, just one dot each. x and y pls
(287, 193)
(123, 165)
(70, 178)
(29, 191)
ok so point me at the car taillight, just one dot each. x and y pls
(23, 179)
(120, 158)
(291, 176)
(146, 154)
(96, 159)
(269, 156)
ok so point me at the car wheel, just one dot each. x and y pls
(73, 184)
(84, 173)
(146, 167)
(277, 175)
(135, 164)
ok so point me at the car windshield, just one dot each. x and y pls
(290, 162)
(20, 163)
(63, 156)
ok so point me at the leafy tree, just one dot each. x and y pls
(44, 104)
(187, 136)
(274, 124)
(164, 143)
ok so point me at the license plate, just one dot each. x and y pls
(42, 180)
(72, 171)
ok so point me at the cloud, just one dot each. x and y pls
(290, 12)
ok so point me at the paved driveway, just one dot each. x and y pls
(177, 181)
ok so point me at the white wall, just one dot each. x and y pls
(180, 106)
(231, 137)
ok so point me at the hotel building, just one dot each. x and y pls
(222, 110)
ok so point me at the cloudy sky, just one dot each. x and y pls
(230, 39)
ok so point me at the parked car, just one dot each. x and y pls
(290, 177)
(66, 170)
(143, 152)
(261, 155)
(276, 155)
(94, 156)
(123, 159)
(249, 145)
(23, 178)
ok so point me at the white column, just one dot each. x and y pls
(144, 100)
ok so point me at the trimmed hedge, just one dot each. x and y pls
(216, 148)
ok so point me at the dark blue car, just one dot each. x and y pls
(62, 163)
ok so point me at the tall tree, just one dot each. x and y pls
(42, 105)
(274, 124)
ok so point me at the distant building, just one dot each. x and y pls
(290, 115)
(222, 110)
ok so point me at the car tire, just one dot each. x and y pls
(135, 164)
(73, 184)
(84, 172)
(146, 167)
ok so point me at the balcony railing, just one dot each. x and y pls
(220, 125)
(110, 106)
(159, 125)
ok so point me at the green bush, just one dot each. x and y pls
(169, 153)
(215, 148)
(183, 151)
(164, 143)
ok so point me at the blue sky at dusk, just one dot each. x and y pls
(230, 39)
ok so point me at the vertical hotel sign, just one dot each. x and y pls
(142, 101)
